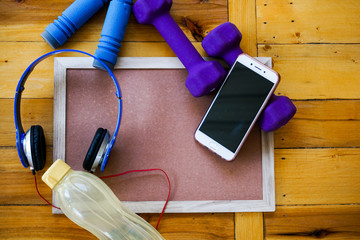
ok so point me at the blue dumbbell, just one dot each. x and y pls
(71, 20)
(113, 32)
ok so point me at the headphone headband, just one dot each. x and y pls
(17, 102)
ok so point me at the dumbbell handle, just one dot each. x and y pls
(232, 55)
(112, 33)
(71, 20)
(177, 40)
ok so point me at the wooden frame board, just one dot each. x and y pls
(266, 204)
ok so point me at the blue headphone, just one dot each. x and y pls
(31, 145)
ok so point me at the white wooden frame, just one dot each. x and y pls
(267, 204)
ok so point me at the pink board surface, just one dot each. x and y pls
(157, 131)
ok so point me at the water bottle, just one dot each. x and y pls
(87, 201)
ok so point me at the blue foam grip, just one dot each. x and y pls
(72, 19)
(113, 32)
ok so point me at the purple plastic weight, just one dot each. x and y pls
(278, 111)
(224, 42)
(204, 76)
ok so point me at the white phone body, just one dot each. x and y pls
(236, 107)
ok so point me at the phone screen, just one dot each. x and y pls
(236, 106)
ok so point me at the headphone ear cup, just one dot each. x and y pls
(94, 148)
(38, 147)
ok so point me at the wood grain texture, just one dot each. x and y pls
(17, 184)
(294, 33)
(16, 56)
(316, 71)
(209, 226)
(314, 222)
(33, 112)
(308, 21)
(330, 123)
(317, 176)
(304, 67)
(40, 223)
(302, 176)
(249, 226)
(192, 17)
(37, 222)
(243, 15)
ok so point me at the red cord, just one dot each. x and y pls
(148, 170)
(120, 174)
(41, 195)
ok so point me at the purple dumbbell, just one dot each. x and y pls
(224, 42)
(204, 76)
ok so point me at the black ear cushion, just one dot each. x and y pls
(94, 148)
(37, 144)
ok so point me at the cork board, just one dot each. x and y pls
(157, 131)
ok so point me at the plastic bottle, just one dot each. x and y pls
(86, 200)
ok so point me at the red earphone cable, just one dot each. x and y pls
(148, 170)
(37, 190)
(117, 175)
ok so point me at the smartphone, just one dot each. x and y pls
(236, 107)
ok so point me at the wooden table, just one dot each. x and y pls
(315, 46)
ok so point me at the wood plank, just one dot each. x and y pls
(41, 224)
(249, 226)
(26, 20)
(37, 222)
(308, 21)
(317, 176)
(320, 71)
(310, 222)
(40, 83)
(195, 17)
(330, 123)
(194, 225)
(243, 15)
(33, 112)
(336, 110)
(17, 184)
(302, 176)
(304, 67)
(311, 134)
